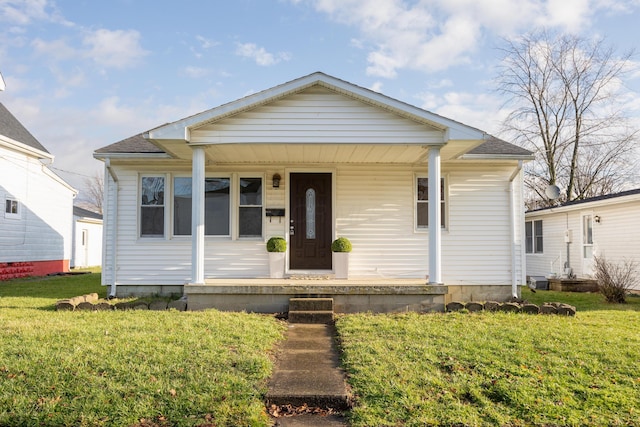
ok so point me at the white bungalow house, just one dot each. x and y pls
(36, 217)
(562, 240)
(87, 238)
(189, 205)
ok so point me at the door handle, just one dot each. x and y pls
(292, 230)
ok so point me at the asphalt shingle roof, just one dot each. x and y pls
(11, 127)
(134, 144)
(85, 213)
(497, 146)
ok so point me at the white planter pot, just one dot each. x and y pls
(341, 265)
(276, 265)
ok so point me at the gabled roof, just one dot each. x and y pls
(11, 128)
(621, 197)
(155, 142)
(180, 129)
(85, 213)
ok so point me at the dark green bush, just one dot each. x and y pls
(341, 244)
(276, 244)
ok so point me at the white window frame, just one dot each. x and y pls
(236, 202)
(445, 201)
(534, 246)
(12, 215)
(167, 196)
(232, 197)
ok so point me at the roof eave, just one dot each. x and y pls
(24, 148)
(129, 156)
(523, 157)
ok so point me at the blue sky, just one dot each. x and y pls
(82, 74)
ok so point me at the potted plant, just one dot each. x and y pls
(340, 249)
(276, 246)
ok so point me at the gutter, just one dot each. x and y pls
(513, 216)
(114, 234)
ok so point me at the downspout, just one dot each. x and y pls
(114, 234)
(514, 216)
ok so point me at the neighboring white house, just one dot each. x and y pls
(569, 235)
(87, 238)
(36, 218)
(311, 160)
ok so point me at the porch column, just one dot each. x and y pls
(435, 231)
(197, 215)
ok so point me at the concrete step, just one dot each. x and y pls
(312, 317)
(310, 304)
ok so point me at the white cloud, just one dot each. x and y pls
(377, 86)
(260, 54)
(434, 35)
(57, 50)
(114, 49)
(195, 72)
(24, 12)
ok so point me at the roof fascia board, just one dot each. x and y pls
(181, 128)
(131, 156)
(586, 205)
(24, 148)
(497, 157)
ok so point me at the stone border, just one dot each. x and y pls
(514, 307)
(90, 302)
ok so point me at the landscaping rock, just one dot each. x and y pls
(491, 305)
(510, 307)
(530, 308)
(455, 306)
(102, 306)
(567, 310)
(548, 309)
(85, 306)
(65, 305)
(123, 305)
(90, 297)
(180, 305)
(140, 305)
(474, 306)
(158, 305)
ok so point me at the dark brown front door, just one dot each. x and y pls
(310, 227)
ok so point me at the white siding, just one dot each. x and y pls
(374, 208)
(316, 116)
(44, 227)
(617, 236)
(89, 252)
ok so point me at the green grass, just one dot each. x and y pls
(497, 369)
(124, 368)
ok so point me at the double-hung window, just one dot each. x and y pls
(533, 236)
(152, 206)
(216, 206)
(422, 203)
(250, 208)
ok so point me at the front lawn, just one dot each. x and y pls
(497, 369)
(126, 368)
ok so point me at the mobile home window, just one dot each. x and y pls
(216, 206)
(533, 236)
(152, 206)
(12, 208)
(422, 203)
(250, 208)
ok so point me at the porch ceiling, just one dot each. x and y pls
(319, 153)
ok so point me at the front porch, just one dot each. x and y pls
(349, 296)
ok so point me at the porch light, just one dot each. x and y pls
(276, 180)
(597, 219)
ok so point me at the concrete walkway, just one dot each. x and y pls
(308, 373)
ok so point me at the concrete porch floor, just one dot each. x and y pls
(350, 296)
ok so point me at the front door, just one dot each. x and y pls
(311, 218)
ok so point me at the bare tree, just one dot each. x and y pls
(94, 189)
(566, 92)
